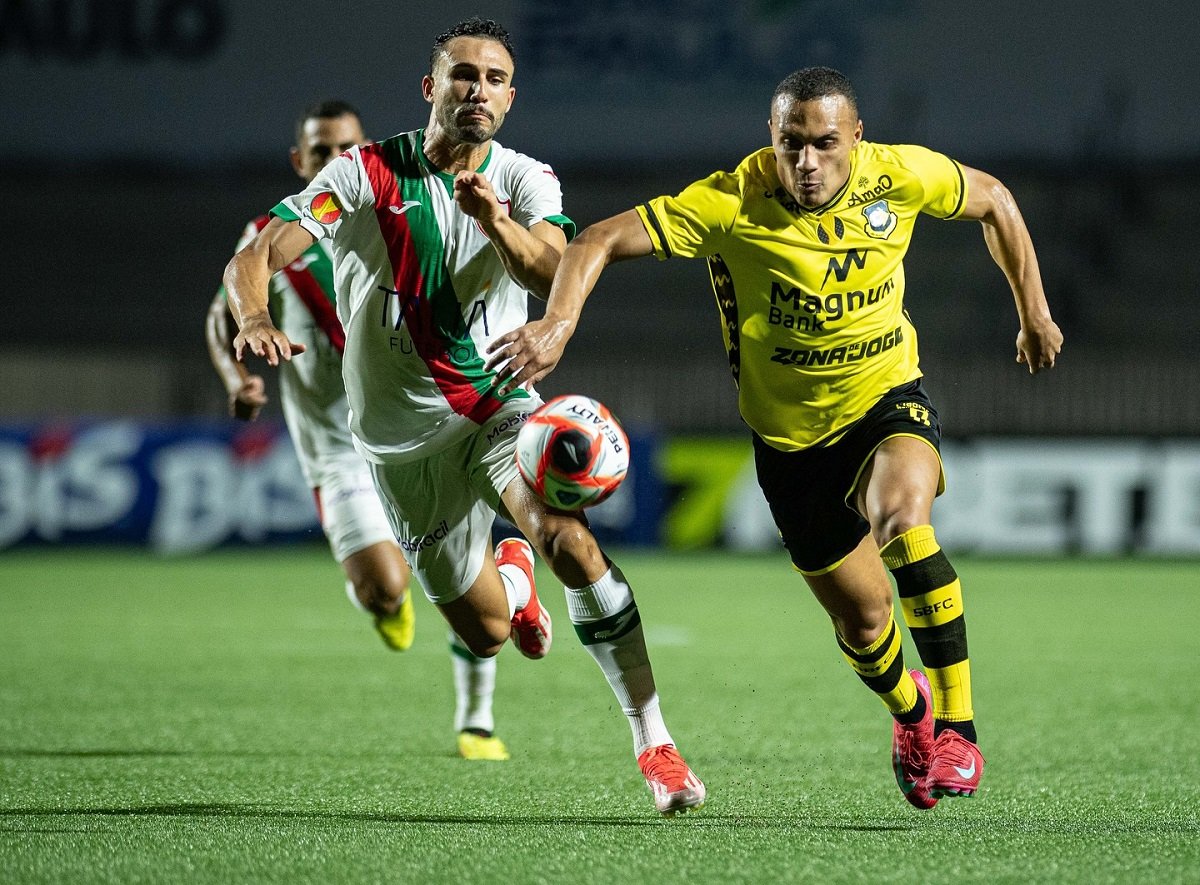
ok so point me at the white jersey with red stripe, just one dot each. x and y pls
(313, 394)
(421, 292)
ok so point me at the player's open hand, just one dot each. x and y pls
(263, 339)
(247, 401)
(1038, 346)
(526, 355)
(474, 195)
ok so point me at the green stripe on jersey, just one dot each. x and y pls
(284, 212)
(321, 269)
(404, 155)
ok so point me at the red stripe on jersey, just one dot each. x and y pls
(414, 297)
(318, 304)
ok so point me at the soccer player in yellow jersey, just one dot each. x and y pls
(805, 242)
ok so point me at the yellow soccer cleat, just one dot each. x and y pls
(479, 748)
(399, 629)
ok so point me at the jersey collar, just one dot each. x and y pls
(447, 178)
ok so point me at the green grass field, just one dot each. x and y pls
(231, 718)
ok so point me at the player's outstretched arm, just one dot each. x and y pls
(528, 354)
(530, 256)
(247, 277)
(988, 201)
(247, 392)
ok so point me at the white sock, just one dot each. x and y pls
(474, 687)
(516, 587)
(612, 634)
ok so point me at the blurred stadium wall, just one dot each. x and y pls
(143, 134)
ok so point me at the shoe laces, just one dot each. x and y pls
(910, 750)
(952, 747)
(664, 764)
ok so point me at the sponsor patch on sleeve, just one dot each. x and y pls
(325, 208)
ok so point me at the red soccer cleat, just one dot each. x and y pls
(676, 790)
(956, 768)
(912, 751)
(531, 630)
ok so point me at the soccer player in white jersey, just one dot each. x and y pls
(317, 415)
(438, 237)
(805, 242)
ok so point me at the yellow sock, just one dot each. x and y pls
(931, 598)
(881, 668)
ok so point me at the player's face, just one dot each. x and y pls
(470, 88)
(322, 140)
(812, 141)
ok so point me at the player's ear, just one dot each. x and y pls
(297, 161)
(427, 88)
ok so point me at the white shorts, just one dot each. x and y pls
(442, 507)
(351, 513)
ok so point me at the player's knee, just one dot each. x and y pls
(370, 596)
(483, 643)
(895, 521)
(484, 649)
(381, 593)
(862, 628)
(569, 548)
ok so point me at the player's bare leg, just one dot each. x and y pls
(378, 581)
(605, 616)
(857, 595)
(897, 487)
(482, 617)
(896, 494)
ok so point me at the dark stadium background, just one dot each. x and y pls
(142, 135)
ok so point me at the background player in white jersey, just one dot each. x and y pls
(438, 237)
(316, 412)
(805, 241)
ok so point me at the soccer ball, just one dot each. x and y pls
(572, 452)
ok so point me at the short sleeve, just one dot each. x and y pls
(692, 223)
(538, 197)
(338, 191)
(945, 186)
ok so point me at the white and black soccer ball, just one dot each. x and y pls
(572, 452)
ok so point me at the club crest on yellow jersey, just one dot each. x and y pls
(881, 220)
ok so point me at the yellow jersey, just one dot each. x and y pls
(812, 299)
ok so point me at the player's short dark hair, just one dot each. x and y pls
(807, 84)
(473, 27)
(327, 109)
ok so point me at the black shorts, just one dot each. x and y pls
(809, 490)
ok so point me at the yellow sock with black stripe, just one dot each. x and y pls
(931, 597)
(881, 668)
